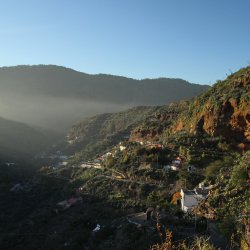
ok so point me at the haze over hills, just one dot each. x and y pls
(116, 169)
(56, 97)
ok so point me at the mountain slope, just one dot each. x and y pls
(108, 199)
(224, 110)
(56, 97)
(95, 134)
(221, 115)
(19, 141)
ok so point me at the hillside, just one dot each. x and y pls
(96, 134)
(19, 141)
(118, 168)
(219, 116)
(229, 200)
(56, 97)
(224, 110)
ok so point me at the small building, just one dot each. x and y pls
(171, 167)
(97, 228)
(86, 165)
(122, 148)
(176, 162)
(188, 200)
(97, 165)
(154, 145)
(139, 142)
(191, 198)
(63, 205)
(91, 165)
(9, 164)
(175, 168)
(105, 156)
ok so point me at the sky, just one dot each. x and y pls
(199, 41)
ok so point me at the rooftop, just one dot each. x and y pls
(188, 192)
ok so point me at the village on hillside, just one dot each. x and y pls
(183, 199)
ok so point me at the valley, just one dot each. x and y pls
(120, 180)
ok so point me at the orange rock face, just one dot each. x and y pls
(230, 121)
(220, 114)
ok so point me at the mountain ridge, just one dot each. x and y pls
(20, 66)
(62, 96)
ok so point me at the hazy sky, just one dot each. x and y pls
(197, 40)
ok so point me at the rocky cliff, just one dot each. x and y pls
(223, 110)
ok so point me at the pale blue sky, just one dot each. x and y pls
(197, 40)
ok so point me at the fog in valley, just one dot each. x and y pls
(54, 113)
(55, 98)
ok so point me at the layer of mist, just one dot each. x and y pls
(55, 98)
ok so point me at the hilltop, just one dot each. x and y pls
(56, 97)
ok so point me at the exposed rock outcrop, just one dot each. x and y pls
(222, 111)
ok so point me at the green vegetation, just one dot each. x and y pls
(134, 176)
(213, 169)
(212, 111)
(94, 135)
(199, 243)
(230, 198)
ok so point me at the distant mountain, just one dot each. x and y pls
(19, 141)
(56, 97)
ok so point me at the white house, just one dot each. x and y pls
(122, 148)
(171, 167)
(175, 168)
(191, 198)
(97, 228)
(176, 162)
